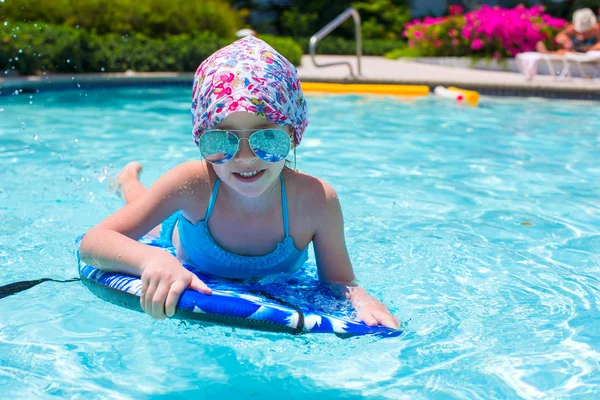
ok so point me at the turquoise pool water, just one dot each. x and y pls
(480, 227)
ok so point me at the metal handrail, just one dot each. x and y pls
(327, 30)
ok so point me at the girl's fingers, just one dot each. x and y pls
(160, 295)
(367, 318)
(199, 286)
(142, 302)
(379, 317)
(389, 322)
(386, 319)
(173, 296)
(145, 284)
(158, 301)
(148, 296)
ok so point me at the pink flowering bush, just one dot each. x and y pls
(489, 31)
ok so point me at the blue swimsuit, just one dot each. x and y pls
(208, 257)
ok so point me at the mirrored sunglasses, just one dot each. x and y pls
(219, 146)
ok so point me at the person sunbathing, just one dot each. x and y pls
(581, 36)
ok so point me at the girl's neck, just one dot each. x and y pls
(254, 205)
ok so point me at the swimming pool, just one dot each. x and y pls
(478, 226)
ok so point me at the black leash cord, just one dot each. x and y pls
(16, 287)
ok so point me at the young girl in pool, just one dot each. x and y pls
(241, 212)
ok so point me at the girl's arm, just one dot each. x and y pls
(112, 244)
(333, 262)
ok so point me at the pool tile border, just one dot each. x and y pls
(36, 84)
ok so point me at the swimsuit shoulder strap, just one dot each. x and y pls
(284, 206)
(213, 199)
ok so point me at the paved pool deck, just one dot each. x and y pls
(377, 70)
(382, 70)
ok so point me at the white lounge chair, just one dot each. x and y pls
(527, 63)
(591, 57)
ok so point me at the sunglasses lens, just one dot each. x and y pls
(270, 145)
(218, 147)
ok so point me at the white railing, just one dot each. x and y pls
(351, 12)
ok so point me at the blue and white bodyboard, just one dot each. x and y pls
(296, 304)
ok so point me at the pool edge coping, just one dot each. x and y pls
(34, 83)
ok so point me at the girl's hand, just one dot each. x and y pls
(163, 281)
(370, 310)
(374, 312)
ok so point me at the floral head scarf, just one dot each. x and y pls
(250, 76)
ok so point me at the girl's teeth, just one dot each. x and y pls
(248, 174)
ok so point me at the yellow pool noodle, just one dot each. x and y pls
(400, 90)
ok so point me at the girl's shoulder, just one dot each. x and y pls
(307, 189)
(191, 183)
(313, 203)
(191, 175)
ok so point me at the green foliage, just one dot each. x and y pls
(441, 39)
(340, 46)
(30, 48)
(152, 18)
(565, 9)
(179, 53)
(383, 19)
(594, 5)
(307, 17)
(299, 24)
(36, 48)
(405, 52)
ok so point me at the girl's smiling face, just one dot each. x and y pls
(245, 173)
